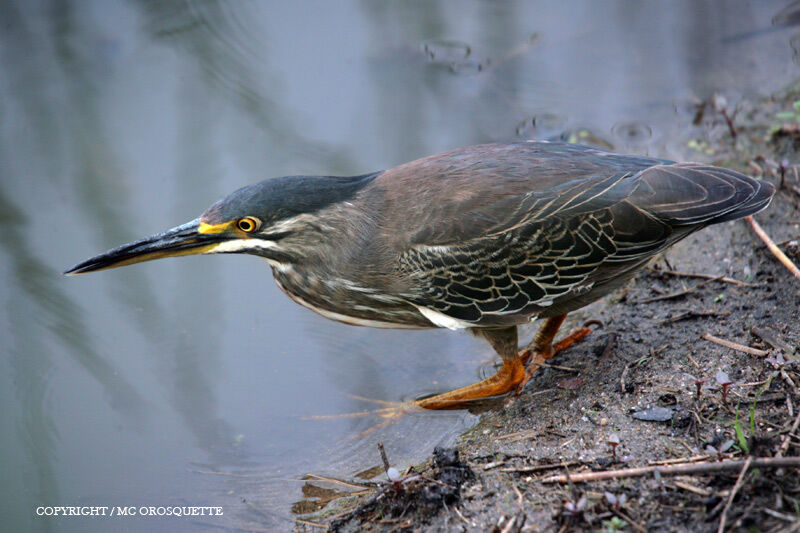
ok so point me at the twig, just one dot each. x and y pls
(735, 489)
(538, 468)
(309, 523)
(779, 516)
(678, 294)
(692, 314)
(773, 247)
(518, 493)
(755, 166)
(729, 121)
(361, 485)
(684, 460)
(785, 377)
(622, 386)
(676, 470)
(519, 435)
(514, 524)
(787, 439)
(691, 488)
(704, 276)
(772, 339)
(611, 338)
(639, 528)
(384, 458)
(560, 367)
(734, 346)
(461, 516)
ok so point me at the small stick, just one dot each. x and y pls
(633, 523)
(780, 516)
(691, 488)
(705, 276)
(683, 460)
(358, 486)
(622, 386)
(309, 523)
(787, 379)
(678, 294)
(384, 458)
(736, 488)
(788, 437)
(729, 121)
(518, 493)
(676, 470)
(771, 338)
(538, 468)
(461, 516)
(692, 314)
(755, 167)
(560, 367)
(734, 346)
(773, 247)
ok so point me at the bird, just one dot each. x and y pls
(485, 238)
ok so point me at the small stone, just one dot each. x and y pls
(654, 414)
(604, 421)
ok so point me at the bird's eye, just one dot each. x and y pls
(248, 224)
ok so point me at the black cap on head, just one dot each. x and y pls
(279, 198)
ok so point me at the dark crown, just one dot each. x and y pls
(279, 198)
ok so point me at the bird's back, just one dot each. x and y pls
(495, 234)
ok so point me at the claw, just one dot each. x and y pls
(593, 322)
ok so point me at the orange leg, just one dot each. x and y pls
(543, 348)
(513, 375)
(507, 379)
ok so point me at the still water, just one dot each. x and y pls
(191, 381)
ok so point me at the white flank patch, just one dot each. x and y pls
(442, 320)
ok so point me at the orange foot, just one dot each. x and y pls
(518, 367)
(543, 348)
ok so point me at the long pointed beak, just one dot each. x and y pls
(181, 240)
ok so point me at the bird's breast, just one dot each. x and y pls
(345, 301)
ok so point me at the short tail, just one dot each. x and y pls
(690, 194)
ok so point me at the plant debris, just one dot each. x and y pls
(417, 497)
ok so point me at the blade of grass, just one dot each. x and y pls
(740, 437)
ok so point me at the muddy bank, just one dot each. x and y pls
(654, 386)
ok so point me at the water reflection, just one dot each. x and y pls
(191, 381)
(40, 301)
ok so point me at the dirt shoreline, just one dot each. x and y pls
(628, 396)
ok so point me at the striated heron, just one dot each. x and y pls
(483, 238)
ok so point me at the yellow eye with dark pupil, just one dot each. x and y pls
(247, 224)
